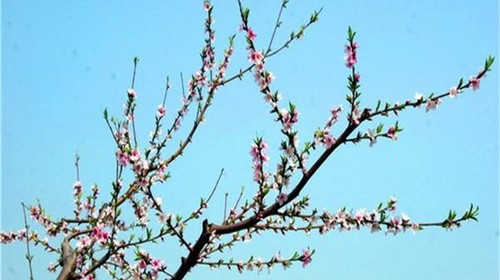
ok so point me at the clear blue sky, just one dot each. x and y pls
(63, 62)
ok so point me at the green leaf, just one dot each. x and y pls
(231, 39)
(315, 16)
(246, 12)
(489, 61)
(350, 34)
(379, 129)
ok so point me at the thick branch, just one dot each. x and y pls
(273, 209)
(68, 261)
(192, 258)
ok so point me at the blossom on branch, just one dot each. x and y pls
(351, 55)
(256, 58)
(474, 82)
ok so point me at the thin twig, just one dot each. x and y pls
(111, 129)
(77, 165)
(29, 257)
(297, 36)
(167, 87)
(276, 25)
(239, 198)
(182, 84)
(225, 207)
(215, 186)
(136, 60)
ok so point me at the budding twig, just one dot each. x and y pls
(29, 257)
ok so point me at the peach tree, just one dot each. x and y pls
(112, 234)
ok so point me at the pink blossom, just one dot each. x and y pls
(258, 151)
(84, 243)
(161, 111)
(119, 257)
(52, 267)
(259, 263)
(8, 237)
(350, 61)
(135, 155)
(143, 182)
(395, 224)
(144, 254)
(282, 198)
(277, 257)
(474, 82)
(21, 234)
(250, 266)
(306, 258)
(36, 213)
(335, 116)
(372, 135)
(432, 104)
(415, 227)
(241, 27)
(77, 188)
(263, 79)
(328, 140)
(206, 5)
(324, 137)
(132, 94)
(99, 234)
(375, 227)
(351, 57)
(141, 214)
(240, 267)
(162, 217)
(453, 92)
(254, 151)
(255, 57)
(160, 172)
(251, 34)
(392, 133)
(360, 215)
(357, 77)
(356, 116)
(199, 80)
(289, 118)
(158, 265)
(122, 157)
(142, 264)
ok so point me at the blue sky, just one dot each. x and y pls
(65, 61)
